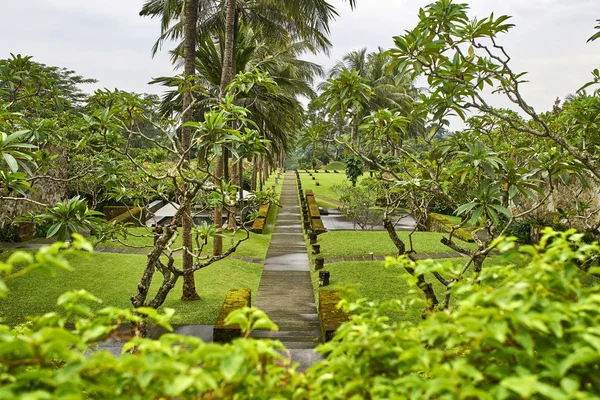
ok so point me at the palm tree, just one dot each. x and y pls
(308, 20)
(390, 87)
(348, 93)
(190, 19)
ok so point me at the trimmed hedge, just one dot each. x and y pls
(234, 300)
(330, 316)
(437, 223)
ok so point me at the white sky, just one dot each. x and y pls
(108, 41)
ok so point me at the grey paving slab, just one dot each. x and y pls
(335, 220)
(285, 292)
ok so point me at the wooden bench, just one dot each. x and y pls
(235, 299)
(330, 316)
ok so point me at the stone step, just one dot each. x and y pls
(300, 345)
(300, 336)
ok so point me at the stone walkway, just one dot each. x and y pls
(286, 292)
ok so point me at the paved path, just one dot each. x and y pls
(286, 292)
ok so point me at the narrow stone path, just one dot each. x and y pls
(285, 292)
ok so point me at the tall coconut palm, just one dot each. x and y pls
(190, 20)
(308, 20)
(390, 87)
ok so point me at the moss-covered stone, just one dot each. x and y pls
(438, 223)
(133, 215)
(234, 300)
(263, 211)
(330, 316)
(258, 226)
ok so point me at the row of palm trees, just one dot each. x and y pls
(358, 90)
(216, 39)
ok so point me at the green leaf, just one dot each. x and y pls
(231, 365)
(11, 161)
(179, 385)
(523, 385)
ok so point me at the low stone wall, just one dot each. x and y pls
(314, 214)
(330, 316)
(260, 222)
(437, 223)
(234, 300)
(132, 215)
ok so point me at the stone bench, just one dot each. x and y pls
(317, 225)
(258, 226)
(330, 316)
(133, 215)
(235, 299)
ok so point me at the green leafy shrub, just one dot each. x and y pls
(71, 216)
(518, 333)
(354, 169)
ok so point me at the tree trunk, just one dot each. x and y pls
(231, 225)
(355, 123)
(191, 19)
(421, 283)
(254, 179)
(240, 176)
(227, 74)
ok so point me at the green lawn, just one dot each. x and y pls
(326, 182)
(335, 165)
(361, 243)
(371, 280)
(256, 246)
(114, 277)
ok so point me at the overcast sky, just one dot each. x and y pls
(108, 41)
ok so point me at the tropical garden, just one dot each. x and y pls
(467, 260)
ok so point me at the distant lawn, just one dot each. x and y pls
(371, 280)
(361, 243)
(324, 191)
(256, 246)
(335, 165)
(114, 278)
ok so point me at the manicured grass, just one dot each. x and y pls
(326, 181)
(335, 165)
(114, 278)
(361, 243)
(255, 246)
(371, 280)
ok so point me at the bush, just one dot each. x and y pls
(359, 203)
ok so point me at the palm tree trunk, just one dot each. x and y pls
(231, 224)
(240, 176)
(254, 180)
(227, 74)
(191, 19)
